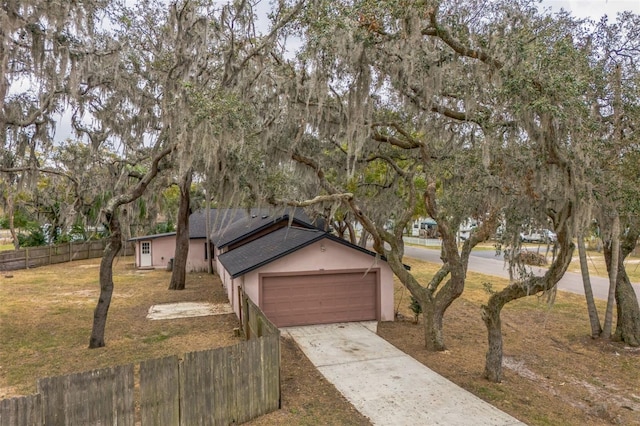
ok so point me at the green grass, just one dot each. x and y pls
(6, 247)
(156, 338)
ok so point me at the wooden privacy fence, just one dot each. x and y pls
(254, 321)
(222, 386)
(31, 257)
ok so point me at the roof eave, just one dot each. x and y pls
(276, 257)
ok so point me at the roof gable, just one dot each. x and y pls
(274, 246)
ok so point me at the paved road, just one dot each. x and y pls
(486, 262)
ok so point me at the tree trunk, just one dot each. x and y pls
(433, 309)
(491, 317)
(628, 318)
(456, 267)
(352, 233)
(12, 229)
(628, 324)
(433, 333)
(178, 275)
(207, 222)
(522, 288)
(594, 320)
(106, 282)
(614, 244)
(364, 236)
(111, 212)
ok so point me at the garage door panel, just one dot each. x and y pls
(320, 298)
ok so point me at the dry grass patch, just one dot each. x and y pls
(46, 316)
(554, 373)
(598, 268)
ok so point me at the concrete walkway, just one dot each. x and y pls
(385, 384)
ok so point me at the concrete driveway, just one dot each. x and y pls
(385, 384)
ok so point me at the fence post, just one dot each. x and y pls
(26, 258)
(245, 317)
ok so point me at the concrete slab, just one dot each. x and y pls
(187, 310)
(387, 385)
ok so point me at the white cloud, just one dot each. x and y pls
(593, 9)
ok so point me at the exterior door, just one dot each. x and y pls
(145, 253)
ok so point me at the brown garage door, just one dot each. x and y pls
(320, 298)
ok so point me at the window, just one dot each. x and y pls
(145, 247)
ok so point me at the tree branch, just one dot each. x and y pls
(316, 200)
(141, 186)
(436, 30)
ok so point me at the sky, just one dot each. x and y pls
(593, 9)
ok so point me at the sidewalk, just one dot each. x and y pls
(385, 384)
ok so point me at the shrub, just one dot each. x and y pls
(34, 238)
(415, 308)
(532, 258)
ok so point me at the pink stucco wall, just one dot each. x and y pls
(324, 255)
(163, 249)
(196, 261)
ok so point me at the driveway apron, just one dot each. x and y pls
(385, 384)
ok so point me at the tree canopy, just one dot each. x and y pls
(491, 112)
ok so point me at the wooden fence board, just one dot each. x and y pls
(266, 383)
(197, 382)
(160, 392)
(271, 372)
(267, 361)
(102, 396)
(221, 393)
(250, 399)
(234, 381)
(242, 369)
(221, 386)
(32, 257)
(22, 411)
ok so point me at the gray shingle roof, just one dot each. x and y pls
(275, 245)
(258, 221)
(268, 248)
(223, 222)
(219, 218)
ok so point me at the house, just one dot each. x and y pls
(299, 274)
(296, 272)
(155, 251)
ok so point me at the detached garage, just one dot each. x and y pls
(307, 276)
